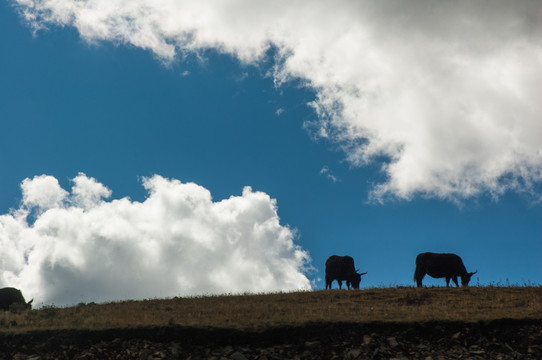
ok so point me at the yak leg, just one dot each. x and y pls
(455, 281)
(447, 281)
(419, 281)
(348, 284)
(418, 276)
(340, 284)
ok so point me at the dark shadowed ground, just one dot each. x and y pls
(497, 339)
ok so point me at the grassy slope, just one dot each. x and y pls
(285, 309)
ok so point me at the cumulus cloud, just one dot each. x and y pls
(444, 94)
(42, 192)
(83, 247)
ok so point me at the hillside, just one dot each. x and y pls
(476, 322)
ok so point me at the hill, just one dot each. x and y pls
(475, 322)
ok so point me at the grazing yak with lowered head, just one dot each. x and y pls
(10, 296)
(342, 268)
(448, 266)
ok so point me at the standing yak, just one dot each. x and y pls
(10, 296)
(448, 266)
(342, 268)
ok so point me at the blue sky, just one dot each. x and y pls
(223, 117)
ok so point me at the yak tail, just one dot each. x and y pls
(419, 272)
(416, 273)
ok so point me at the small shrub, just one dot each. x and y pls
(49, 311)
(417, 298)
(17, 308)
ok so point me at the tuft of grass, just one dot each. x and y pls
(399, 304)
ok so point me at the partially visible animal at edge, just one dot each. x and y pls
(342, 268)
(10, 296)
(448, 266)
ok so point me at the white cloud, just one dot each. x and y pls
(447, 92)
(176, 242)
(87, 192)
(43, 192)
(325, 171)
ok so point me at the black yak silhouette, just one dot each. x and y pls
(448, 266)
(342, 268)
(10, 296)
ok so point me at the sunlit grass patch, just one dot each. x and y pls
(253, 311)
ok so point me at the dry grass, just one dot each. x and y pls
(265, 310)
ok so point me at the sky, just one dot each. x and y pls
(177, 148)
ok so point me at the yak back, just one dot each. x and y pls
(10, 296)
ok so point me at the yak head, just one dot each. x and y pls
(466, 278)
(356, 279)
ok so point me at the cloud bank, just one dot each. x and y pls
(444, 94)
(81, 247)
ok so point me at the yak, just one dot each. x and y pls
(342, 268)
(448, 266)
(10, 296)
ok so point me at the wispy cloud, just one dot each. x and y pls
(325, 171)
(82, 247)
(446, 92)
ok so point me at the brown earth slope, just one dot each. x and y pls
(394, 323)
